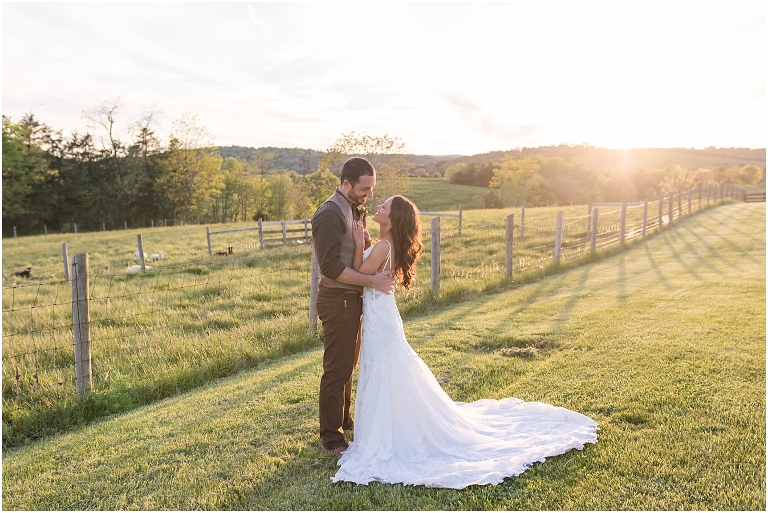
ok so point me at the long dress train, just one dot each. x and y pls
(408, 430)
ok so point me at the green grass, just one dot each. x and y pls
(194, 319)
(437, 195)
(663, 345)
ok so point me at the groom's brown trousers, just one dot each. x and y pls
(341, 316)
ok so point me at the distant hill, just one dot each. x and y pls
(603, 160)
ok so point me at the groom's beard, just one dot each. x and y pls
(355, 199)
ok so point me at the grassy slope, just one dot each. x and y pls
(437, 195)
(663, 345)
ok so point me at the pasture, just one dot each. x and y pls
(437, 195)
(663, 345)
(193, 318)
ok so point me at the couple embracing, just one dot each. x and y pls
(407, 429)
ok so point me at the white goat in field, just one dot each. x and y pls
(136, 268)
(157, 256)
(136, 255)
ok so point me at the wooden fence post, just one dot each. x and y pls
(81, 325)
(679, 204)
(645, 215)
(75, 227)
(522, 220)
(689, 201)
(45, 229)
(284, 234)
(558, 236)
(661, 211)
(306, 230)
(65, 256)
(313, 286)
(593, 245)
(435, 255)
(623, 225)
(459, 220)
(208, 236)
(509, 235)
(671, 206)
(125, 224)
(141, 253)
(261, 236)
(14, 232)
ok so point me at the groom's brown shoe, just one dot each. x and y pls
(336, 452)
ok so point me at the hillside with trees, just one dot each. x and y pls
(114, 174)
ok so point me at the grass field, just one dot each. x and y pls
(191, 319)
(663, 345)
(437, 195)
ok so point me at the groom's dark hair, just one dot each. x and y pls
(354, 168)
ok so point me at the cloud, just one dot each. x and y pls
(476, 119)
(264, 28)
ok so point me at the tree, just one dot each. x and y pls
(281, 187)
(28, 172)
(750, 174)
(120, 173)
(456, 173)
(385, 153)
(677, 178)
(192, 179)
(145, 154)
(519, 180)
(314, 190)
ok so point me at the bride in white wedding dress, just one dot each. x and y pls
(407, 429)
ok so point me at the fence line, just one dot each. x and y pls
(40, 320)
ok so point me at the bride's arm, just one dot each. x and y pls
(375, 258)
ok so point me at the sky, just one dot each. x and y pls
(445, 78)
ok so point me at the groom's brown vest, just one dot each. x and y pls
(347, 243)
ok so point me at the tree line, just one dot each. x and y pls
(114, 174)
(538, 180)
(109, 176)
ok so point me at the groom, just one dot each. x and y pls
(339, 298)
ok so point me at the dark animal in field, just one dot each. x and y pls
(229, 251)
(26, 273)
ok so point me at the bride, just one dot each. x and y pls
(407, 429)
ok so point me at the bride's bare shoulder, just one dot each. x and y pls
(380, 249)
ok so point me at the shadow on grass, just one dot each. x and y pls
(304, 483)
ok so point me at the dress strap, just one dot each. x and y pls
(388, 261)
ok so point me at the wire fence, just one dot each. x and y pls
(178, 325)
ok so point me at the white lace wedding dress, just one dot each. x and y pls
(407, 429)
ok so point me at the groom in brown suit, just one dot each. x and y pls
(339, 298)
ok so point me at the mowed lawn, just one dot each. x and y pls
(663, 345)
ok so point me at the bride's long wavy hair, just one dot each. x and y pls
(406, 232)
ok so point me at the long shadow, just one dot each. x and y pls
(655, 267)
(711, 250)
(466, 310)
(621, 281)
(671, 248)
(731, 227)
(565, 313)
